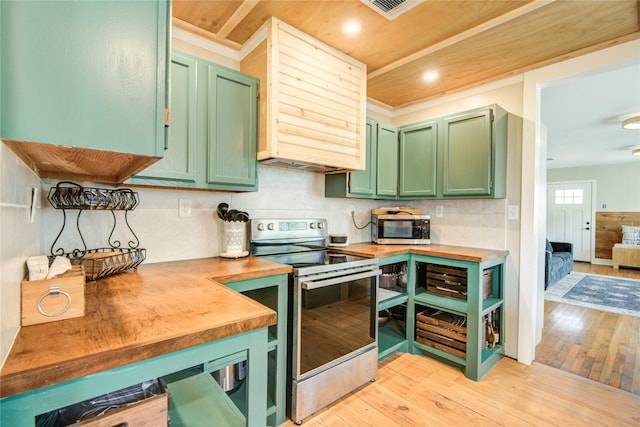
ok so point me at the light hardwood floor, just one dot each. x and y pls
(414, 390)
(598, 345)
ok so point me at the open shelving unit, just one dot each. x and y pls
(476, 295)
(393, 337)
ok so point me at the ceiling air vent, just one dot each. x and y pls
(391, 9)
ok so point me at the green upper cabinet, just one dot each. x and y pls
(418, 161)
(86, 74)
(232, 129)
(474, 146)
(459, 156)
(357, 184)
(387, 162)
(179, 161)
(213, 131)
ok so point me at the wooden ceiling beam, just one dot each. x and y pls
(237, 17)
(179, 23)
(530, 7)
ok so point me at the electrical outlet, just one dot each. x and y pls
(184, 207)
(352, 210)
(439, 211)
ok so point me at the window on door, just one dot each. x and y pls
(569, 197)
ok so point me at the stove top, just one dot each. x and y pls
(301, 243)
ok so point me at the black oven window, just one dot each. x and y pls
(397, 229)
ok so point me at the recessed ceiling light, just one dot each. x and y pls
(430, 76)
(352, 27)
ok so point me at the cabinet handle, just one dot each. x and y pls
(167, 117)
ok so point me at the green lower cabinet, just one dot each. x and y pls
(188, 375)
(272, 292)
(213, 129)
(393, 335)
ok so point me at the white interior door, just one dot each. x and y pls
(569, 214)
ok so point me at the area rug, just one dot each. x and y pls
(604, 293)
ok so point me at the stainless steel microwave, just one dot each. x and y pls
(400, 229)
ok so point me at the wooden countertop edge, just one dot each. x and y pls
(462, 253)
(20, 382)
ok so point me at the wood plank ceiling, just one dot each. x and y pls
(468, 42)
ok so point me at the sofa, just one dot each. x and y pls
(558, 261)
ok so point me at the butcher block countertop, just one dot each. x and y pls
(461, 253)
(136, 315)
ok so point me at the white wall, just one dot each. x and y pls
(617, 186)
(18, 239)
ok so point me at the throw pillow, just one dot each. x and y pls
(631, 235)
(549, 248)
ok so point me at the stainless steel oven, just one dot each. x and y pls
(332, 307)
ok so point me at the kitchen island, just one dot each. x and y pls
(131, 321)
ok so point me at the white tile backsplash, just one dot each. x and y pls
(18, 239)
(284, 193)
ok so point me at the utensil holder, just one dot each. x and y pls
(234, 239)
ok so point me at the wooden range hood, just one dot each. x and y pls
(312, 101)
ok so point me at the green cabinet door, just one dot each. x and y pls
(467, 146)
(213, 130)
(232, 128)
(357, 184)
(85, 74)
(179, 161)
(387, 162)
(363, 183)
(418, 160)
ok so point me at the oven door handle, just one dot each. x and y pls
(316, 284)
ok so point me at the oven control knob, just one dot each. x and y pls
(320, 225)
(312, 225)
(270, 226)
(261, 226)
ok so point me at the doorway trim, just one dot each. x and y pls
(533, 185)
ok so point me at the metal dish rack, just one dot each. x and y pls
(98, 262)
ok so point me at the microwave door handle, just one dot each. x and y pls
(317, 284)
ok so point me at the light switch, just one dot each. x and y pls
(513, 212)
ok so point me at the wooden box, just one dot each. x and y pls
(442, 330)
(53, 299)
(453, 281)
(149, 412)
